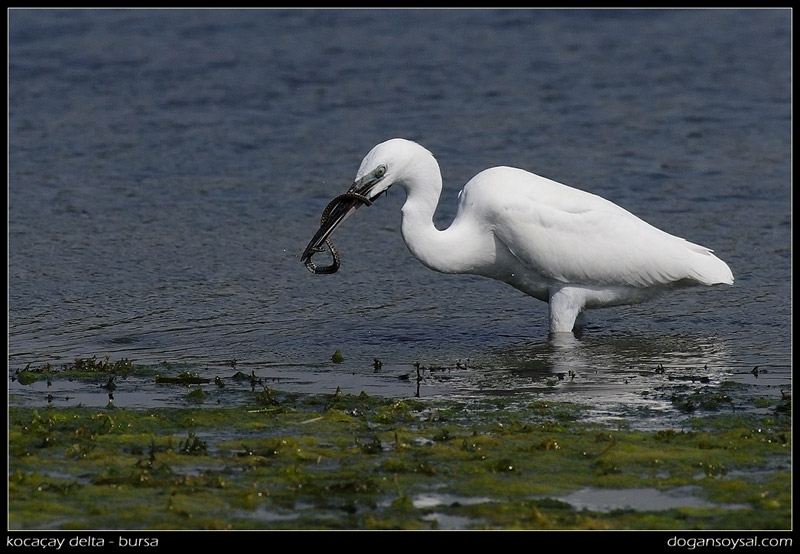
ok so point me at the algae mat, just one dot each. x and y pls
(285, 460)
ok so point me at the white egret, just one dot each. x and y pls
(569, 248)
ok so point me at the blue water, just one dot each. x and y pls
(167, 168)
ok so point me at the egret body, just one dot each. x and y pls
(569, 248)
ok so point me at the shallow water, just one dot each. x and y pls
(636, 499)
(167, 167)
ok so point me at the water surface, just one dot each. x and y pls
(167, 167)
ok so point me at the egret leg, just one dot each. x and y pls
(566, 304)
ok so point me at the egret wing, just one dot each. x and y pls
(573, 236)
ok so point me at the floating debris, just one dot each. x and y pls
(185, 378)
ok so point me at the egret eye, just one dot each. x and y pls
(380, 171)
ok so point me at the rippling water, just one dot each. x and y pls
(167, 167)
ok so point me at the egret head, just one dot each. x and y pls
(386, 164)
(396, 161)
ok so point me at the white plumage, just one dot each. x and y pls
(564, 246)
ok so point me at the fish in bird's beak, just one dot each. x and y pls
(363, 191)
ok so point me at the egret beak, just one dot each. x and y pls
(342, 207)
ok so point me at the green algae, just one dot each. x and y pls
(341, 461)
(80, 368)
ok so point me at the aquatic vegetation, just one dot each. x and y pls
(344, 461)
(80, 368)
(183, 378)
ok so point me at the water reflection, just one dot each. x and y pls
(634, 377)
(566, 354)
